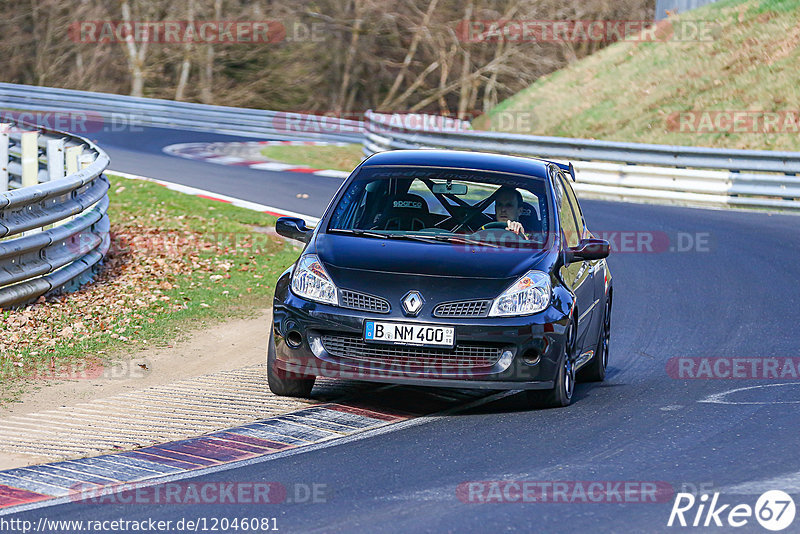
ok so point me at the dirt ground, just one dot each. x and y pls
(230, 345)
(234, 344)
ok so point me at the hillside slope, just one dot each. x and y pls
(678, 92)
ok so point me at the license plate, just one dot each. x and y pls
(409, 334)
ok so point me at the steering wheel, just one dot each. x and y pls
(494, 228)
(496, 225)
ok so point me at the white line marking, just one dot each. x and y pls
(719, 398)
(332, 173)
(789, 483)
(224, 160)
(269, 166)
(234, 201)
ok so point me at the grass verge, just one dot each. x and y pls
(746, 61)
(339, 158)
(176, 261)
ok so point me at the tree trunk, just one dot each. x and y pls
(412, 50)
(207, 73)
(186, 64)
(351, 54)
(135, 55)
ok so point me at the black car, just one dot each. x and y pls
(446, 268)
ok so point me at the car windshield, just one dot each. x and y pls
(445, 205)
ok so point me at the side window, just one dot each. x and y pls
(566, 216)
(572, 200)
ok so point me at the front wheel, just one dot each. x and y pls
(595, 370)
(279, 383)
(561, 394)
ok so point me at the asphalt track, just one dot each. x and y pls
(736, 296)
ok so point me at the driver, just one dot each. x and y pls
(508, 207)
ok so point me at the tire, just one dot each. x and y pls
(595, 370)
(278, 382)
(561, 394)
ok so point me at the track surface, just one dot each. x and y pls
(140, 152)
(740, 299)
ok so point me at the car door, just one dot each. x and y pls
(579, 275)
(595, 269)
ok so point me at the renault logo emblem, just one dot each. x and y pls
(412, 303)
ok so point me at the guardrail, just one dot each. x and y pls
(54, 230)
(694, 176)
(120, 111)
(620, 171)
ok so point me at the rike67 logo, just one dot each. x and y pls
(774, 510)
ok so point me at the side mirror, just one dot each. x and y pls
(293, 228)
(588, 250)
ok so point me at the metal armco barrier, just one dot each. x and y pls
(117, 112)
(620, 171)
(54, 230)
(693, 176)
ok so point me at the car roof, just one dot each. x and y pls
(461, 160)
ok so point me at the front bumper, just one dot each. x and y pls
(528, 348)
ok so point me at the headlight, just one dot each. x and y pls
(530, 294)
(311, 281)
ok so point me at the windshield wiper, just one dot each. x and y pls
(358, 232)
(441, 238)
(445, 238)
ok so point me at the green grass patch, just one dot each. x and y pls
(177, 263)
(339, 158)
(784, 6)
(632, 91)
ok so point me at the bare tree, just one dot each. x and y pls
(207, 72)
(405, 55)
(136, 53)
(186, 64)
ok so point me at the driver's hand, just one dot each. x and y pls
(514, 226)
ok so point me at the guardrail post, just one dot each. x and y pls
(55, 159)
(86, 160)
(4, 127)
(72, 155)
(29, 158)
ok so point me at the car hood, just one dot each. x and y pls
(413, 258)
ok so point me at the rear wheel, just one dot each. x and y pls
(279, 382)
(561, 394)
(595, 370)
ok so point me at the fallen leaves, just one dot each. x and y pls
(165, 259)
(143, 264)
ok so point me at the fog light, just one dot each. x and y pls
(294, 339)
(531, 357)
(505, 359)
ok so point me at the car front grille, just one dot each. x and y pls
(462, 356)
(363, 302)
(465, 308)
